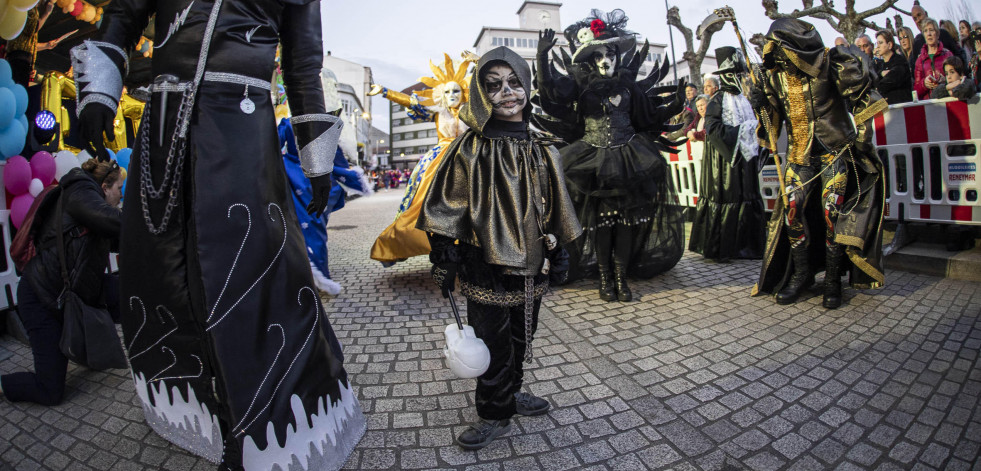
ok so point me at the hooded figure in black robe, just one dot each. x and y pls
(729, 213)
(497, 216)
(834, 181)
(230, 347)
(618, 179)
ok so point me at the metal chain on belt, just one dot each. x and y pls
(173, 167)
(529, 315)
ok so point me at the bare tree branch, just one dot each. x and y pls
(693, 58)
(850, 23)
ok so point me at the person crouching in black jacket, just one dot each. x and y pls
(91, 224)
(893, 78)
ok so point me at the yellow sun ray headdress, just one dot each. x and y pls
(449, 73)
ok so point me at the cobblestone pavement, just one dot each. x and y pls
(695, 375)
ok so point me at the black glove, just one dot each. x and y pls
(95, 120)
(546, 40)
(321, 186)
(758, 99)
(444, 274)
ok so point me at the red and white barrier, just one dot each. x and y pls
(686, 172)
(931, 151)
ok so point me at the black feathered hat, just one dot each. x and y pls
(599, 30)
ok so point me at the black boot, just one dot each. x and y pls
(624, 239)
(801, 279)
(832, 277)
(604, 250)
(620, 279)
(606, 289)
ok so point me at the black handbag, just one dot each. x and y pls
(88, 334)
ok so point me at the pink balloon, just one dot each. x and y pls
(17, 175)
(19, 207)
(43, 167)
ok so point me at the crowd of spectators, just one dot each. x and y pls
(940, 61)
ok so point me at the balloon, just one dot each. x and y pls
(12, 139)
(6, 74)
(43, 167)
(82, 157)
(8, 106)
(123, 156)
(19, 207)
(64, 162)
(112, 155)
(20, 95)
(12, 23)
(17, 175)
(35, 188)
(22, 5)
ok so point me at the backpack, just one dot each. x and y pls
(22, 248)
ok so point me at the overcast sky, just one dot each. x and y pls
(397, 38)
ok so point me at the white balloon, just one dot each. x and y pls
(36, 187)
(83, 156)
(64, 161)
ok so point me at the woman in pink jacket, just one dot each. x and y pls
(929, 71)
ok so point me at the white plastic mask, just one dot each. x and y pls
(452, 95)
(605, 60)
(505, 92)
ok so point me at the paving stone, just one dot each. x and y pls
(694, 375)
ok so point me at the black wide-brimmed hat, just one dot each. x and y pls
(730, 61)
(599, 30)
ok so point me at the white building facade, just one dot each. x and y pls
(409, 139)
(353, 83)
(534, 17)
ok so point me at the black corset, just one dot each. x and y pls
(607, 118)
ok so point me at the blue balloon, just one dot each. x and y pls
(7, 107)
(6, 74)
(112, 155)
(22, 119)
(20, 94)
(122, 157)
(12, 139)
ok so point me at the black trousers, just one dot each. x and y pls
(46, 385)
(503, 330)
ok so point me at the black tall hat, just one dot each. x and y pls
(730, 61)
(799, 41)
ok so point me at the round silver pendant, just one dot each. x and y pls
(247, 105)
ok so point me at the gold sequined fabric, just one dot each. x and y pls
(800, 135)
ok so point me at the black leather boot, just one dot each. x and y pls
(606, 290)
(620, 280)
(801, 279)
(832, 277)
(623, 242)
(604, 251)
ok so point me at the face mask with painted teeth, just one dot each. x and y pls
(504, 90)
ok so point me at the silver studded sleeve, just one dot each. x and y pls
(316, 137)
(97, 75)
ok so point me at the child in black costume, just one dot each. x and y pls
(497, 216)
